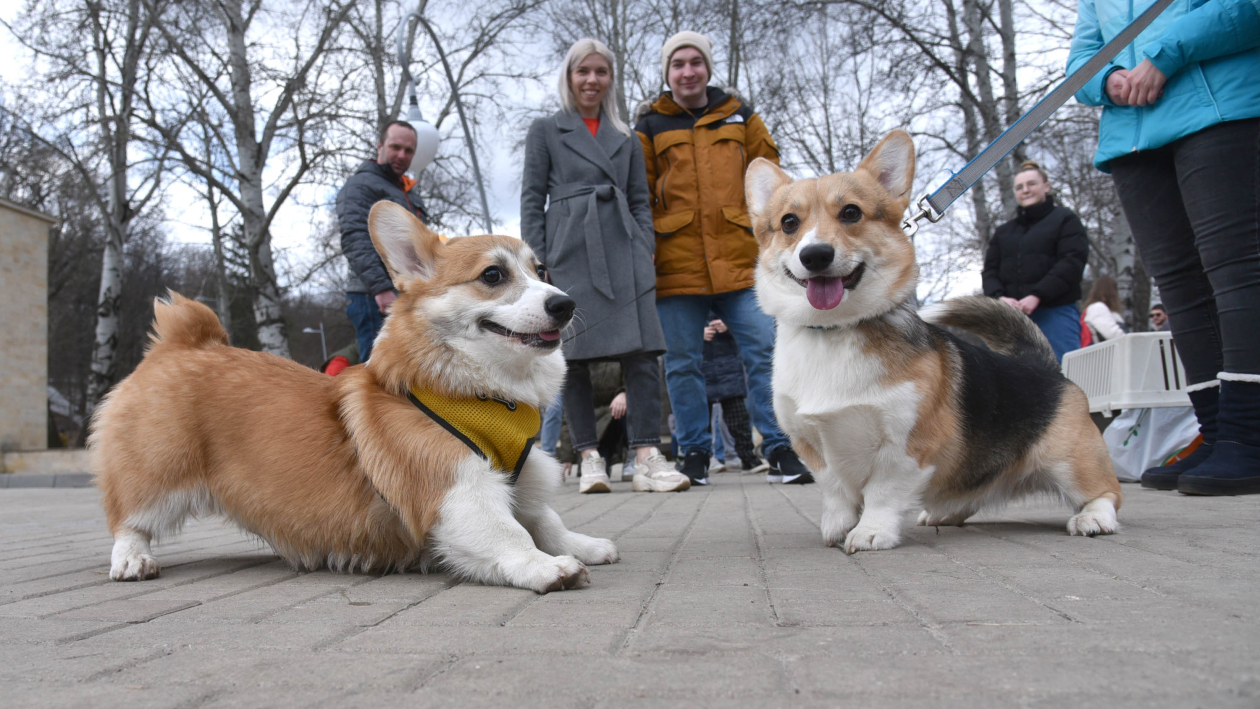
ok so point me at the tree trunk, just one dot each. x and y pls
(1010, 76)
(971, 129)
(262, 273)
(988, 106)
(115, 121)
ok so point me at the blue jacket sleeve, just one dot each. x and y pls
(1217, 28)
(1087, 39)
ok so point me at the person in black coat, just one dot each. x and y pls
(369, 290)
(1035, 261)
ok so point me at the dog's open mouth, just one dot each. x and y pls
(545, 340)
(826, 292)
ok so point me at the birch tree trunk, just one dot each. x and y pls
(115, 104)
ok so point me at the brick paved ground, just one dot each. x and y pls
(724, 597)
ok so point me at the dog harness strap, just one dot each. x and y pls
(500, 431)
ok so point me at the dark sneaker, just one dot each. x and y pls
(787, 468)
(695, 466)
(1165, 477)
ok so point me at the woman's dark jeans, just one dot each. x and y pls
(642, 375)
(1194, 207)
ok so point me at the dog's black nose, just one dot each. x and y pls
(816, 257)
(560, 307)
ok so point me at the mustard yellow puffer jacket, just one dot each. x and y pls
(695, 171)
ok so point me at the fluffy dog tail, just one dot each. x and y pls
(185, 323)
(1004, 329)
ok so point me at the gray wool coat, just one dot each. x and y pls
(585, 213)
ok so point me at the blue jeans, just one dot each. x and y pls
(549, 436)
(367, 318)
(1062, 327)
(683, 318)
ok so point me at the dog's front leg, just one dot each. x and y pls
(895, 486)
(479, 538)
(535, 488)
(841, 506)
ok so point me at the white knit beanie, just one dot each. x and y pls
(686, 39)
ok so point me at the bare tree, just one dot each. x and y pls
(96, 52)
(276, 97)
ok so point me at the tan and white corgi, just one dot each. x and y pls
(419, 457)
(895, 413)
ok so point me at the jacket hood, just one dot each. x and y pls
(665, 103)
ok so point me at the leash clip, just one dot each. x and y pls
(923, 210)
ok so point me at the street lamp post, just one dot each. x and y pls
(404, 60)
(322, 343)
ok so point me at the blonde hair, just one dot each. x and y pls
(580, 50)
(1032, 165)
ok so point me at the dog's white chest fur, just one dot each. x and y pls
(828, 392)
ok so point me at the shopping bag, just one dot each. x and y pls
(1142, 438)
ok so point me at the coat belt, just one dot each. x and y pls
(597, 261)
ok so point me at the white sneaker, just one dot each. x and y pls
(627, 470)
(716, 466)
(594, 475)
(655, 474)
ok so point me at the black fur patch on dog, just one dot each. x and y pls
(1007, 403)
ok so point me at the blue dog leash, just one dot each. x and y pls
(932, 206)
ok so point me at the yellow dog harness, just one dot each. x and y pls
(498, 430)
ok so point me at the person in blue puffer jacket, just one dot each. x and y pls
(1180, 135)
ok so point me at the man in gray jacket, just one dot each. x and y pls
(369, 290)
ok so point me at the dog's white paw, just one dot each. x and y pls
(138, 567)
(1097, 517)
(593, 551)
(836, 525)
(555, 573)
(871, 538)
(928, 518)
(130, 560)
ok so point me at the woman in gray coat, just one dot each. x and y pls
(585, 212)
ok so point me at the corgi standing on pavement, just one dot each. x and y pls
(895, 413)
(420, 457)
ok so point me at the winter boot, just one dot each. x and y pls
(1233, 468)
(1206, 402)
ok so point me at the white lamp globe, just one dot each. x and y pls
(427, 140)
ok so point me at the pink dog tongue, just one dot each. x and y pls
(549, 335)
(824, 293)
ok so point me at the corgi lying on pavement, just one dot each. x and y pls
(892, 412)
(421, 456)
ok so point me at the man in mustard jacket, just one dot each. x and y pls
(697, 141)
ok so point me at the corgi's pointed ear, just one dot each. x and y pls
(892, 163)
(760, 181)
(405, 244)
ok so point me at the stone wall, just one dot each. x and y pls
(23, 327)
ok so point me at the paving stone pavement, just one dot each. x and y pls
(725, 596)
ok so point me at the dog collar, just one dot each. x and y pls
(500, 431)
(820, 328)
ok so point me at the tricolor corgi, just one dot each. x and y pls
(421, 457)
(894, 413)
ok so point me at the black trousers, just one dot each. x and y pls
(642, 377)
(1194, 207)
(735, 415)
